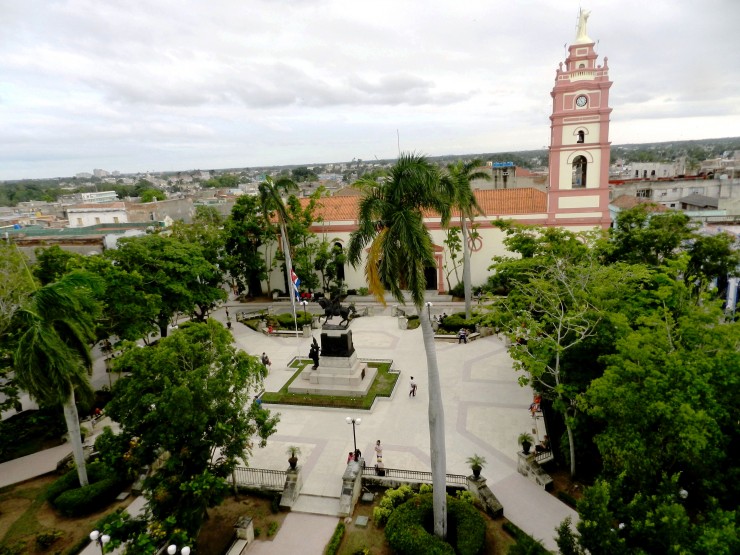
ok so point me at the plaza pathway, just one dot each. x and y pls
(485, 411)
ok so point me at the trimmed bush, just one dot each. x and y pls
(407, 532)
(392, 499)
(95, 472)
(454, 322)
(88, 499)
(71, 500)
(336, 540)
(568, 499)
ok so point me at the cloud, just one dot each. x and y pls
(286, 81)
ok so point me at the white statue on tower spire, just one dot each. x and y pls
(582, 33)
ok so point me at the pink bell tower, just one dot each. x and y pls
(578, 193)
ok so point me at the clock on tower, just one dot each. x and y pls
(578, 193)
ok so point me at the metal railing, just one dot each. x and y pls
(260, 478)
(543, 456)
(415, 475)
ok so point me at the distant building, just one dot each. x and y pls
(100, 173)
(102, 196)
(85, 215)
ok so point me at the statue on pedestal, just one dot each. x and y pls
(313, 354)
(334, 308)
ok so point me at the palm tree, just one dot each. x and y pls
(52, 358)
(460, 174)
(271, 199)
(391, 224)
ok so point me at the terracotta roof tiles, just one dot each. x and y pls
(499, 202)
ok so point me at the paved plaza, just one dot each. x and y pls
(485, 411)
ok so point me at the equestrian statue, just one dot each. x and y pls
(335, 308)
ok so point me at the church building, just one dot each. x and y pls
(577, 195)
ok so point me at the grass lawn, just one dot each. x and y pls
(383, 386)
(27, 518)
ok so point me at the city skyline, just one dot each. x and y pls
(176, 86)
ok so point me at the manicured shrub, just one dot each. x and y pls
(454, 322)
(336, 540)
(392, 499)
(272, 529)
(286, 320)
(525, 544)
(407, 530)
(95, 472)
(567, 498)
(88, 499)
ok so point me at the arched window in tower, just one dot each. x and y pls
(579, 172)
(581, 137)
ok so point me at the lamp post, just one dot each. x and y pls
(172, 549)
(354, 422)
(304, 302)
(429, 306)
(100, 539)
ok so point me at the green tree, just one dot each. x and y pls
(303, 174)
(52, 358)
(176, 272)
(642, 236)
(246, 234)
(462, 199)
(52, 263)
(454, 247)
(391, 224)
(225, 181)
(190, 398)
(150, 195)
(15, 288)
(712, 257)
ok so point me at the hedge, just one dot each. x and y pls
(96, 471)
(88, 499)
(406, 534)
(454, 322)
(71, 500)
(336, 540)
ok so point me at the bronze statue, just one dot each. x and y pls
(334, 308)
(313, 354)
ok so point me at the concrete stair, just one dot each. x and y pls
(316, 505)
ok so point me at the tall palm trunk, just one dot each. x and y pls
(73, 429)
(467, 286)
(436, 429)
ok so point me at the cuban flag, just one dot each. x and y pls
(296, 282)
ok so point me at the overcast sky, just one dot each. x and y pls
(183, 84)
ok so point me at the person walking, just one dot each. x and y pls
(266, 361)
(462, 336)
(412, 391)
(378, 450)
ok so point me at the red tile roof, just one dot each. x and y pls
(499, 202)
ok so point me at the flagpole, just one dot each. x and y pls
(288, 271)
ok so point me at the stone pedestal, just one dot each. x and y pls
(351, 487)
(527, 466)
(293, 485)
(244, 529)
(340, 372)
(477, 486)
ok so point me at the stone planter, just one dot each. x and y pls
(403, 323)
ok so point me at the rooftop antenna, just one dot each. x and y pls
(398, 139)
